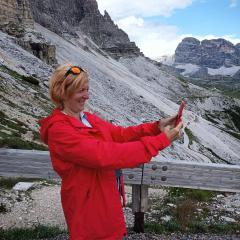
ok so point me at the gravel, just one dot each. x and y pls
(148, 236)
(42, 206)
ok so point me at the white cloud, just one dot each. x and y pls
(157, 40)
(233, 3)
(231, 38)
(124, 8)
(153, 38)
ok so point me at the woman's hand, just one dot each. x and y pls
(170, 121)
(173, 133)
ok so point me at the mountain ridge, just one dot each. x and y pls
(84, 16)
(212, 53)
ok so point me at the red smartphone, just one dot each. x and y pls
(180, 111)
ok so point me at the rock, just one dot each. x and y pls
(166, 218)
(208, 53)
(228, 219)
(83, 15)
(188, 51)
(39, 47)
(171, 205)
(237, 75)
(23, 186)
(238, 46)
(202, 72)
(15, 16)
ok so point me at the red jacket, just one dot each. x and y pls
(86, 158)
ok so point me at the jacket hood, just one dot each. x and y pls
(46, 123)
(58, 116)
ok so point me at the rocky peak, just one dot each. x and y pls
(83, 15)
(207, 53)
(188, 51)
(107, 17)
(238, 47)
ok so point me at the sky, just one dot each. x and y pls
(158, 26)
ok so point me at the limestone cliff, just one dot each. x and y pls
(69, 17)
(15, 16)
(208, 53)
(16, 19)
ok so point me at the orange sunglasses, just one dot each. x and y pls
(75, 70)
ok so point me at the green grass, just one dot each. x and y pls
(183, 81)
(234, 114)
(234, 94)
(9, 183)
(14, 140)
(174, 226)
(18, 143)
(193, 194)
(31, 80)
(13, 123)
(190, 135)
(38, 232)
(36, 135)
(184, 212)
(28, 79)
(210, 118)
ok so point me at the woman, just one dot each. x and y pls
(86, 151)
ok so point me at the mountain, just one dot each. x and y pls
(209, 63)
(213, 53)
(74, 17)
(125, 89)
(207, 58)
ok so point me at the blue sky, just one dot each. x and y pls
(157, 26)
(209, 17)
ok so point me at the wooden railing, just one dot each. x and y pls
(208, 176)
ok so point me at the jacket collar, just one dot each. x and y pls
(72, 120)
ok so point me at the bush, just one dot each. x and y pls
(193, 194)
(184, 213)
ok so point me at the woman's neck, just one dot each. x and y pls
(72, 114)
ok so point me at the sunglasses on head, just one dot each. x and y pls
(75, 70)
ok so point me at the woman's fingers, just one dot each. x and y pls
(173, 133)
(179, 126)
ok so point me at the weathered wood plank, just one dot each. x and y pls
(138, 193)
(220, 177)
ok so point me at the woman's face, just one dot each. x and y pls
(76, 102)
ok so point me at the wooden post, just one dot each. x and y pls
(137, 209)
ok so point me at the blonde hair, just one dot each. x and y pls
(61, 87)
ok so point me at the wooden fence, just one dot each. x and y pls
(208, 176)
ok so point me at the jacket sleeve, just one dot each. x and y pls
(132, 133)
(66, 144)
